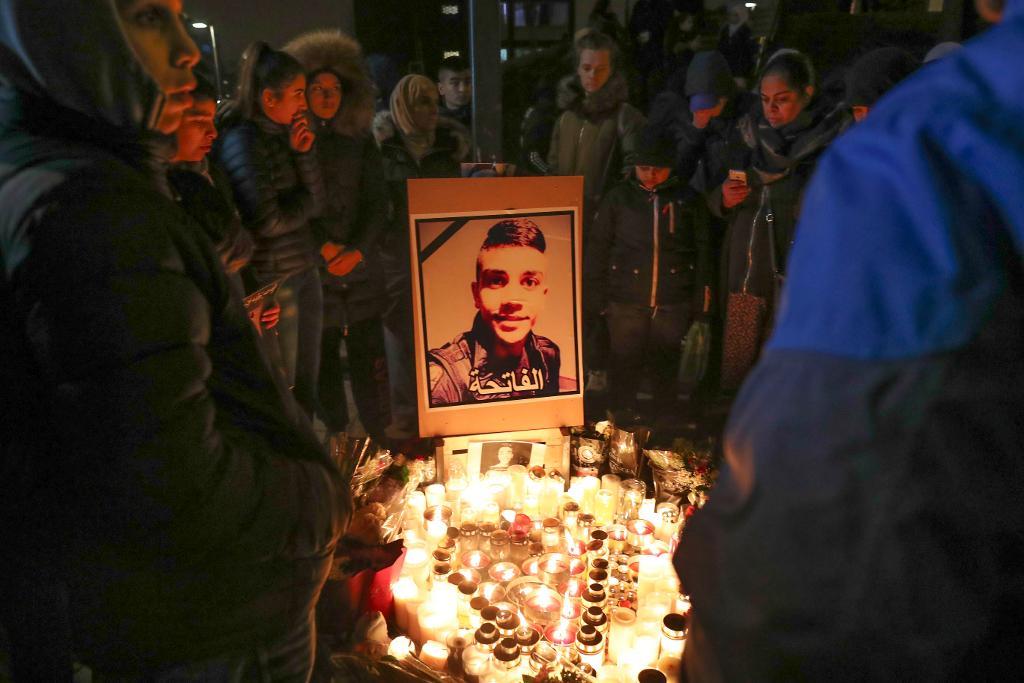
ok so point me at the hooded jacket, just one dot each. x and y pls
(868, 522)
(143, 444)
(595, 138)
(356, 193)
(648, 248)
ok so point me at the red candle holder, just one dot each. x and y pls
(561, 635)
(476, 559)
(639, 533)
(503, 572)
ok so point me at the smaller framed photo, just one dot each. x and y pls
(485, 456)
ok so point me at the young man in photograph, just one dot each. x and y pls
(500, 356)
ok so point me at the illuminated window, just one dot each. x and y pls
(450, 9)
(450, 53)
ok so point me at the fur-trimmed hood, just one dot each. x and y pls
(342, 54)
(604, 102)
(384, 129)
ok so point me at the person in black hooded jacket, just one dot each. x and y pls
(269, 157)
(647, 271)
(341, 97)
(147, 463)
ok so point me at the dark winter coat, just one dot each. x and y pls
(195, 519)
(739, 50)
(596, 138)
(868, 523)
(278, 193)
(647, 248)
(441, 161)
(356, 215)
(711, 153)
(355, 208)
(778, 165)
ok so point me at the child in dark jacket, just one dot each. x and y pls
(646, 270)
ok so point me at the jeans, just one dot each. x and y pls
(644, 336)
(364, 343)
(298, 334)
(289, 659)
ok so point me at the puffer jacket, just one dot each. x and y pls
(144, 444)
(596, 139)
(648, 248)
(355, 208)
(278, 193)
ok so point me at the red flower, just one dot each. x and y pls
(690, 509)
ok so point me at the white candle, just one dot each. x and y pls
(405, 592)
(611, 673)
(611, 482)
(620, 636)
(415, 565)
(436, 619)
(401, 647)
(605, 502)
(415, 506)
(590, 486)
(434, 495)
(644, 652)
(550, 494)
(652, 568)
(437, 529)
(435, 655)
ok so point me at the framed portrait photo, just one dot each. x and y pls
(496, 296)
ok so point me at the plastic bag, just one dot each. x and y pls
(696, 349)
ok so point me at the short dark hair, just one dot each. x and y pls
(793, 67)
(453, 64)
(513, 232)
(205, 90)
(595, 40)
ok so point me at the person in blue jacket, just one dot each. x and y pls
(869, 522)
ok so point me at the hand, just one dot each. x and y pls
(269, 316)
(345, 262)
(330, 251)
(300, 137)
(375, 557)
(734, 192)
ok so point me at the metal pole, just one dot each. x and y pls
(485, 57)
(216, 62)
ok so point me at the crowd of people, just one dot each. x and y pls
(214, 258)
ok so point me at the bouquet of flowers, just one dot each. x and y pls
(687, 471)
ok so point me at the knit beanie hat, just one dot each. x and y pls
(875, 73)
(654, 148)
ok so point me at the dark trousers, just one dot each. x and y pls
(401, 358)
(298, 334)
(644, 337)
(368, 370)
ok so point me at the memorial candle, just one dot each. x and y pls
(620, 638)
(554, 569)
(476, 559)
(590, 487)
(605, 502)
(401, 647)
(415, 506)
(435, 494)
(516, 486)
(640, 533)
(503, 572)
(435, 655)
(406, 595)
(416, 564)
(561, 635)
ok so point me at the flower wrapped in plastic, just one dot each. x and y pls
(685, 473)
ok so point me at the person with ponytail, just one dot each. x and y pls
(418, 144)
(267, 152)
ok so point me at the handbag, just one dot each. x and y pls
(747, 316)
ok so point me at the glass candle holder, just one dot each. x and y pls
(518, 546)
(617, 535)
(631, 499)
(640, 533)
(504, 572)
(527, 638)
(554, 568)
(435, 495)
(551, 537)
(590, 645)
(518, 591)
(561, 635)
(620, 637)
(467, 574)
(543, 607)
(475, 559)
(500, 546)
(517, 486)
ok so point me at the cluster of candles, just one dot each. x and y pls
(512, 573)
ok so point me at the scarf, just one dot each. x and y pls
(403, 99)
(605, 102)
(777, 151)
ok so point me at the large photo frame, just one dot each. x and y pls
(497, 313)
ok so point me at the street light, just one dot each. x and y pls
(203, 26)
